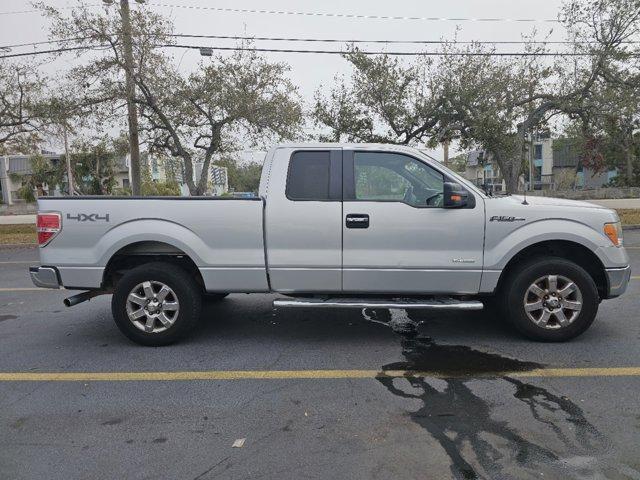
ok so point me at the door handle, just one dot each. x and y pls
(357, 220)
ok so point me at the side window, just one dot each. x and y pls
(308, 177)
(381, 176)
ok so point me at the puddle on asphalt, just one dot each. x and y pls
(553, 439)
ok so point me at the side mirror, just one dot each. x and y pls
(454, 196)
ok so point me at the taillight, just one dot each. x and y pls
(48, 225)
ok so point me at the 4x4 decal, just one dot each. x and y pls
(90, 217)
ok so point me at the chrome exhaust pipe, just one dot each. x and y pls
(82, 297)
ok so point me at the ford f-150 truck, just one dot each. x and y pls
(337, 226)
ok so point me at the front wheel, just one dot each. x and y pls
(550, 299)
(156, 304)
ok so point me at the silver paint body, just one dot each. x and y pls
(276, 244)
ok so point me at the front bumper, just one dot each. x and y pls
(618, 279)
(45, 277)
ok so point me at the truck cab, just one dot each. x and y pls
(369, 219)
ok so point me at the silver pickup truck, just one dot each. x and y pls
(337, 226)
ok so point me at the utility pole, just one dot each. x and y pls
(131, 92)
(67, 157)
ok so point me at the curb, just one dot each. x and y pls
(631, 227)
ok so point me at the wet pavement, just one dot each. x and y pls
(476, 417)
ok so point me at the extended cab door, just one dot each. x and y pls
(303, 220)
(397, 237)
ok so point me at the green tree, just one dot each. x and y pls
(483, 100)
(232, 99)
(385, 101)
(242, 97)
(43, 174)
(241, 177)
(149, 187)
(93, 164)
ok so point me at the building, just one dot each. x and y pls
(555, 165)
(566, 161)
(219, 180)
(122, 170)
(541, 167)
(13, 166)
(482, 170)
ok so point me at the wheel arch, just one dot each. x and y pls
(570, 250)
(142, 252)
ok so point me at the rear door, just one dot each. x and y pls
(397, 237)
(303, 220)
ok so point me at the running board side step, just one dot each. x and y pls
(405, 303)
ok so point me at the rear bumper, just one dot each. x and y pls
(618, 279)
(45, 277)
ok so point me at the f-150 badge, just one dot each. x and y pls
(500, 218)
(88, 217)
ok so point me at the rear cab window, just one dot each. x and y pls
(315, 175)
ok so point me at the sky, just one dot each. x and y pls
(312, 71)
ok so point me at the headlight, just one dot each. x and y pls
(614, 232)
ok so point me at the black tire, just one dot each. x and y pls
(215, 297)
(518, 282)
(187, 292)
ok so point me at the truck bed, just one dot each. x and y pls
(223, 236)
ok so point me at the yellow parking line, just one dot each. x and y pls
(299, 374)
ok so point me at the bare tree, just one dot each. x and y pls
(20, 90)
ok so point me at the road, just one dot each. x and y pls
(312, 393)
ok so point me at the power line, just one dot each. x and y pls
(206, 50)
(334, 40)
(381, 52)
(54, 50)
(416, 42)
(44, 42)
(353, 15)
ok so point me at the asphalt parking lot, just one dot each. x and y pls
(315, 394)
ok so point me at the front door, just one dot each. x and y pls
(397, 237)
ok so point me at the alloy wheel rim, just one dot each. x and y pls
(152, 306)
(553, 302)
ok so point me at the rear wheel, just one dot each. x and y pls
(550, 299)
(156, 304)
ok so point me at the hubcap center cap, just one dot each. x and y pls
(153, 307)
(553, 303)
